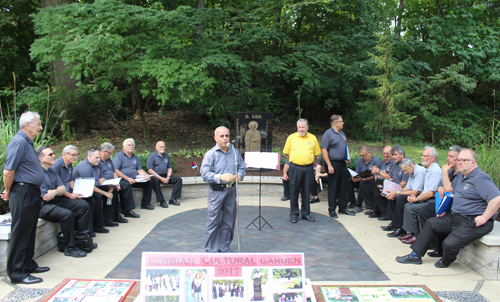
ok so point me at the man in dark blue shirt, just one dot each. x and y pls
(160, 166)
(22, 177)
(365, 163)
(58, 208)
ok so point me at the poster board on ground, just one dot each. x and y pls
(92, 290)
(193, 277)
(394, 293)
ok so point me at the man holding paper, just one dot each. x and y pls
(334, 150)
(301, 149)
(217, 170)
(365, 163)
(124, 188)
(128, 167)
(60, 209)
(475, 205)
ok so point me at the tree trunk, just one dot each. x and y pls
(200, 5)
(400, 17)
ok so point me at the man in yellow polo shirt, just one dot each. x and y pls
(301, 149)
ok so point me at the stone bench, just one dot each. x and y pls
(483, 254)
(193, 187)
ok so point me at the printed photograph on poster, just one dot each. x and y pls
(122, 284)
(69, 291)
(258, 285)
(90, 291)
(162, 299)
(61, 299)
(408, 292)
(228, 290)
(81, 284)
(286, 278)
(288, 297)
(164, 281)
(338, 294)
(196, 285)
(100, 284)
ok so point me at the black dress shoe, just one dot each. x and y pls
(369, 212)
(94, 246)
(74, 252)
(285, 198)
(163, 204)
(373, 215)
(93, 235)
(131, 214)
(120, 219)
(174, 202)
(397, 232)
(434, 254)
(40, 269)
(383, 218)
(29, 280)
(350, 206)
(100, 230)
(408, 259)
(333, 214)
(314, 200)
(308, 218)
(111, 224)
(388, 228)
(346, 212)
(148, 207)
(440, 264)
(293, 219)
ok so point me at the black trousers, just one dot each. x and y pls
(460, 230)
(147, 190)
(380, 203)
(315, 185)
(176, 190)
(126, 197)
(360, 185)
(300, 178)
(111, 211)
(95, 202)
(337, 186)
(366, 192)
(68, 213)
(399, 210)
(286, 188)
(425, 213)
(24, 206)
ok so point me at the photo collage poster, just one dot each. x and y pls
(93, 290)
(241, 277)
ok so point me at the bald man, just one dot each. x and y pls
(160, 166)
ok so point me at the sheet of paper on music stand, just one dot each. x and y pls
(264, 160)
(112, 182)
(390, 186)
(353, 173)
(84, 186)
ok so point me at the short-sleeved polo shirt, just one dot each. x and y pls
(433, 177)
(473, 192)
(451, 176)
(336, 143)
(362, 165)
(51, 181)
(127, 165)
(302, 149)
(107, 168)
(416, 180)
(86, 169)
(397, 175)
(65, 173)
(386, 166)
(20, 157)
(159, 164)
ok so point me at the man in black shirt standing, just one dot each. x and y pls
(22, 177)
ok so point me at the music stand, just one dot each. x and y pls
(260, 160)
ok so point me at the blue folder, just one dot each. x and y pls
(443, 204)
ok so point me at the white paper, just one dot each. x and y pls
(390, 186)
(112, 182)
(141, 178)
(264, 160)
(320, 184)
(84, 186)
(353, 173)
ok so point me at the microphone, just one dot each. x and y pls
(230, 144)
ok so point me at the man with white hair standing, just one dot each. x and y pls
(22, 177)
(128, 166)
(301, 149)
(217, 169)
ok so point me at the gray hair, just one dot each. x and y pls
(69, 148)
(397, 148)
(364, 148)
(432, 153)
(27, 117)
(455, 148)
(405, 162)
(220, 127)
(302, 120)
(107, 147)
(91, 151)
(128, 139)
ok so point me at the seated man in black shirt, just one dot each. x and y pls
(57, 208)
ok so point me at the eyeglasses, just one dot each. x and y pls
(339, 122)
(463, 160)
(73, 155)
(224, 135)
(50, 154)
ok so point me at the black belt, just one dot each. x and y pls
(27, 185)
(338, 161)
(220, 187)
(303, 165)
